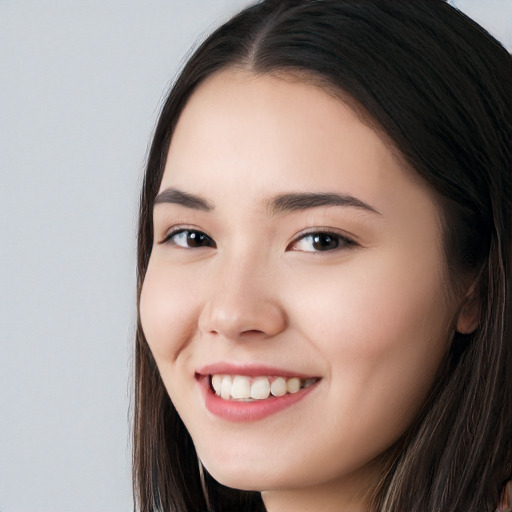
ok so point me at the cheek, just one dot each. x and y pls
(167, 309)
(365, 304)
(384, 328)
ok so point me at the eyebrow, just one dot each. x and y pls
(283, 203)
(175, 196)
(299, 201)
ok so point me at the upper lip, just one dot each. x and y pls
(249, 370)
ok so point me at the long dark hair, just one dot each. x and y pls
(440, 88)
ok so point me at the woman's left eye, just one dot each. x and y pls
(321, 242)
(189, 239)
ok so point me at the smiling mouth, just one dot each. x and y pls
(249, 389)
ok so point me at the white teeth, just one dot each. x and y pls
(216, 383)
(293, 385)
(278, 387)
(241, 387)
(225, 387)
(260, 388)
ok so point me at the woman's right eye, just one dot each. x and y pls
(189, 239)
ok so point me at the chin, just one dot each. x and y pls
(237, 479)
(247, 477)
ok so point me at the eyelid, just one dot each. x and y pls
(174, 230)
(347, 240)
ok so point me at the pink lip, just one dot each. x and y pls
(236, 411)
(250, 370)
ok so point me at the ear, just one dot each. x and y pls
(469, 315)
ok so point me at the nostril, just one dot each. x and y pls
(250, 332)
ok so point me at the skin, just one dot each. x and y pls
(371, 317)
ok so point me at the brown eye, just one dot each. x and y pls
(190, 239)
(321, 242)
(324, 242)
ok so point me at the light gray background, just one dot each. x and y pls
(80, 87)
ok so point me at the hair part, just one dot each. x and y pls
(437, 86)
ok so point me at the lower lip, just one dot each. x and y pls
(239, 411)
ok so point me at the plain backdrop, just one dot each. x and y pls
(81, 83)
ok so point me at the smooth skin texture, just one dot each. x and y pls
(370, 317)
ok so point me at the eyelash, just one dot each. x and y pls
(177, 231)
(341, 241)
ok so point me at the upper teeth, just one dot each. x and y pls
(241, 387)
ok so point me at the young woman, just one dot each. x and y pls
(324, 267)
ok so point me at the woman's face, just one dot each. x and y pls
(290, 243)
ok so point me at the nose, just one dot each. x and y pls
(243, 303)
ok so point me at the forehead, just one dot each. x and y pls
(261, 135)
